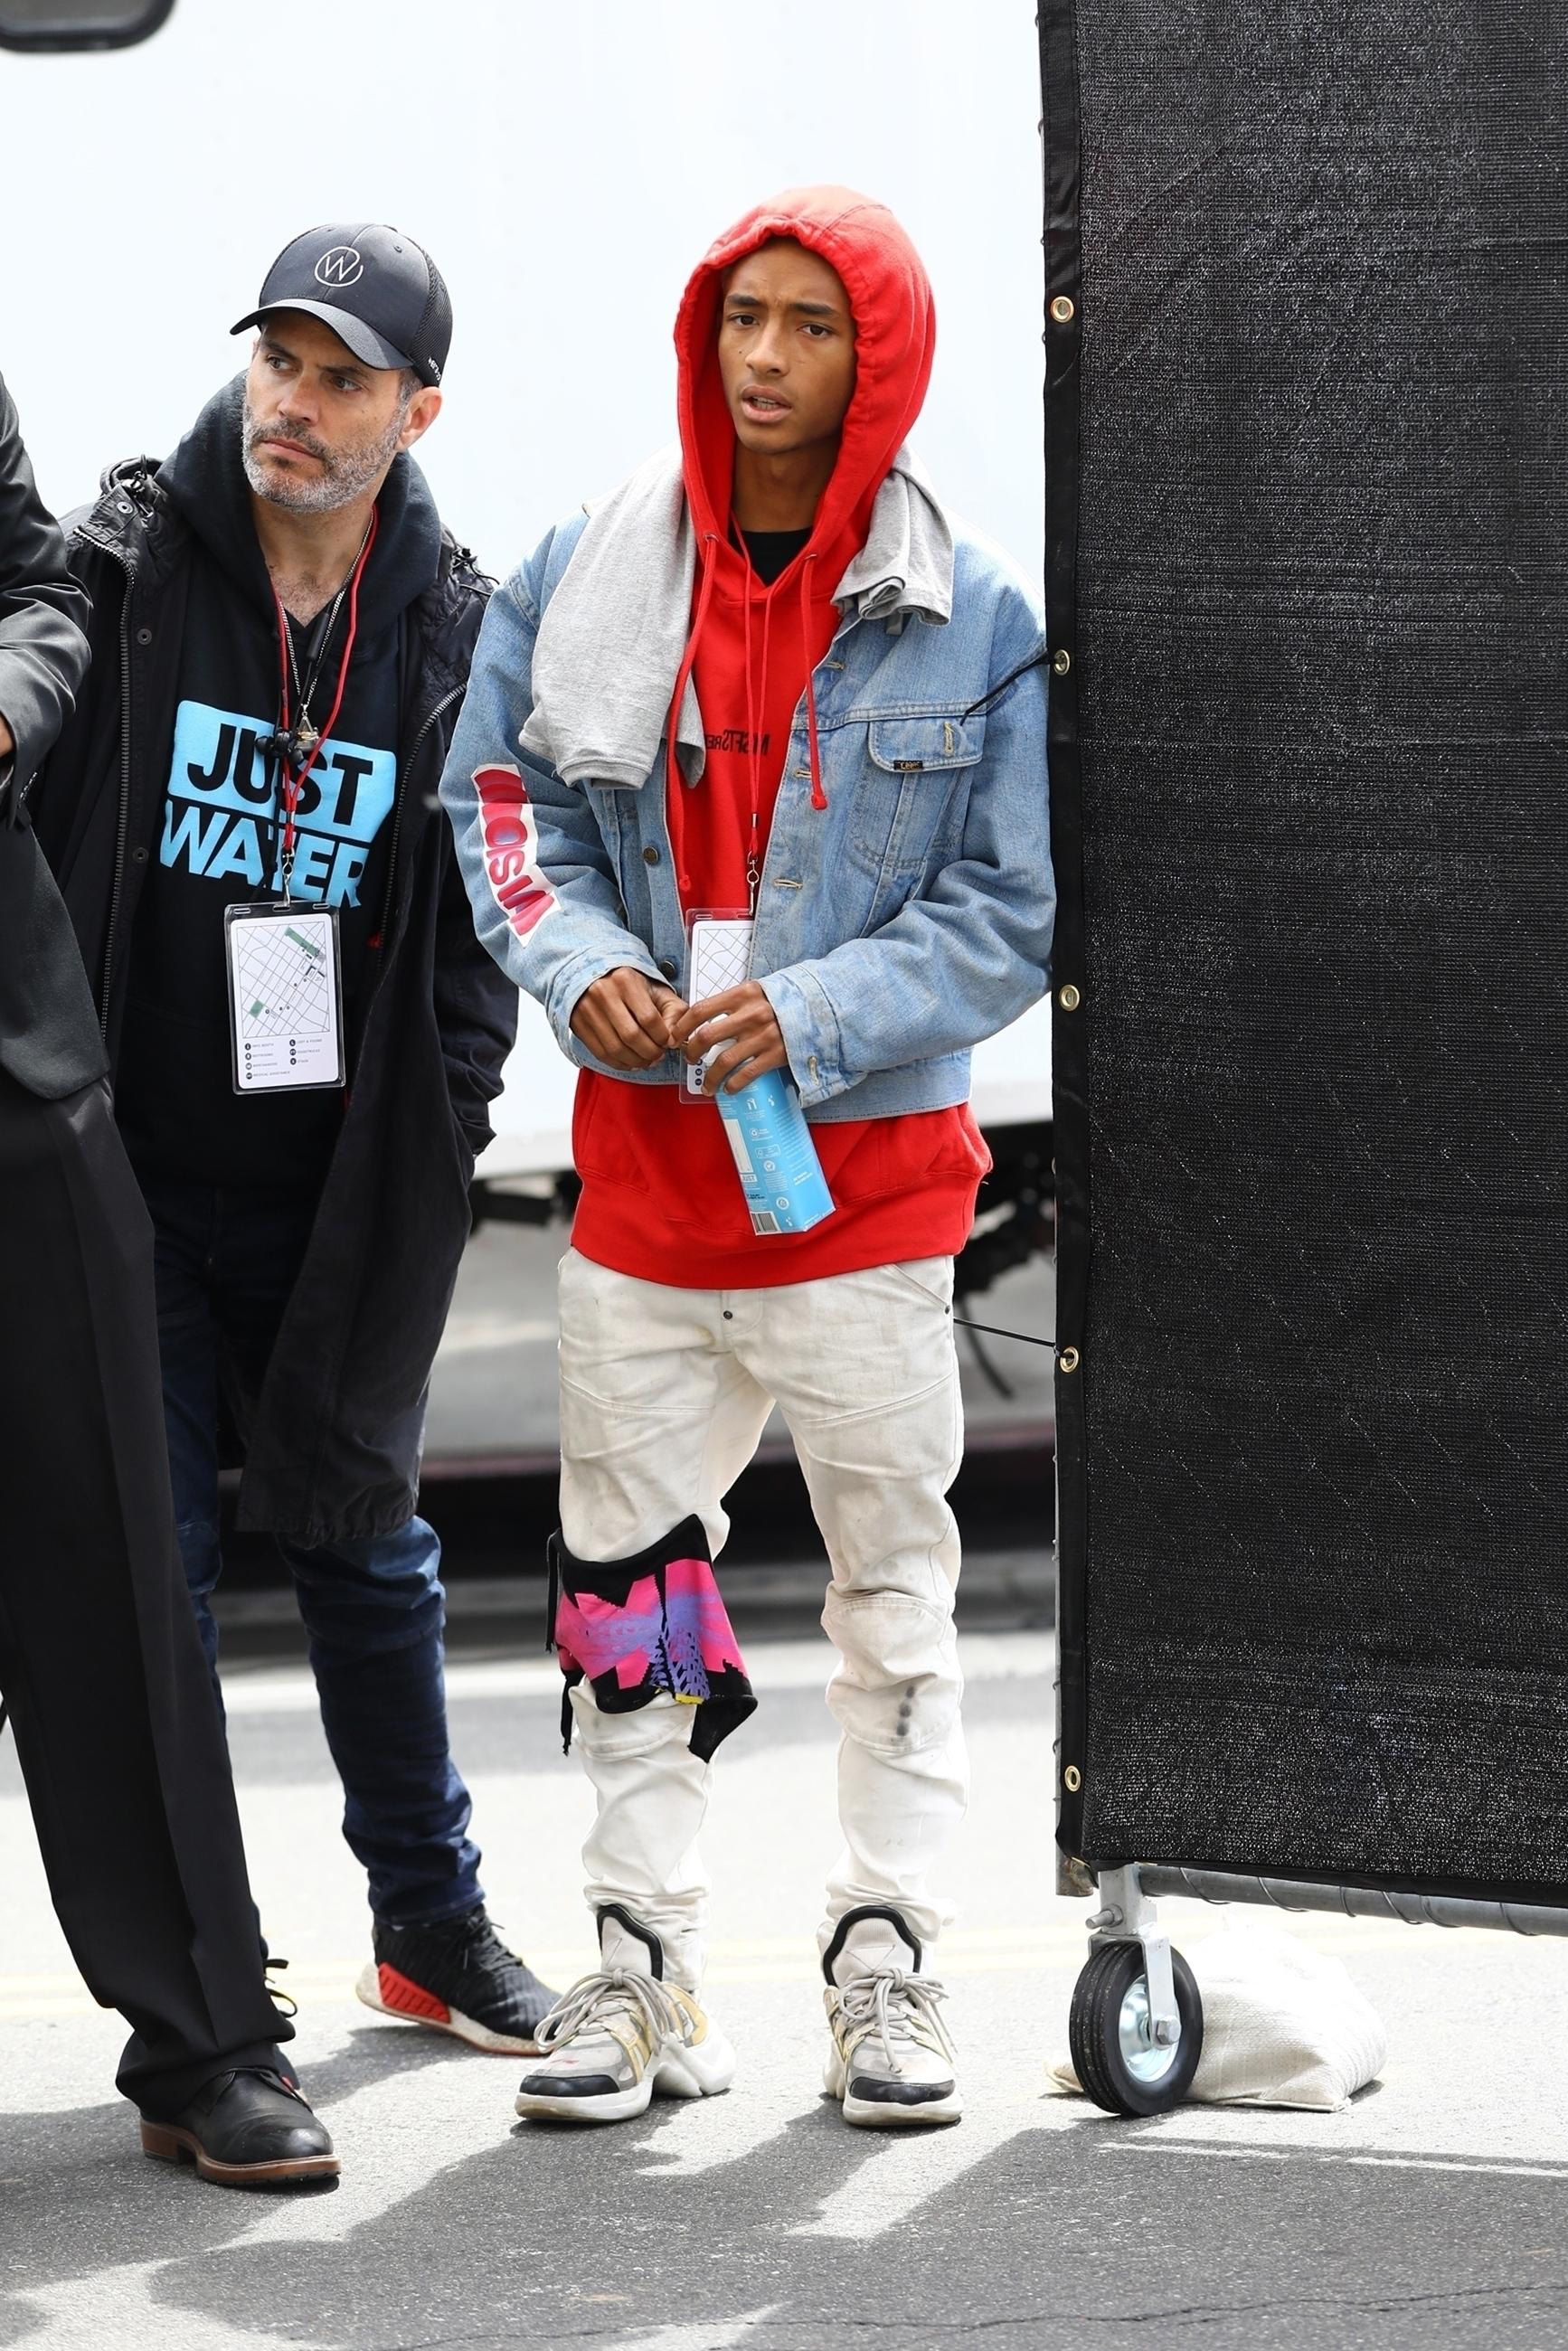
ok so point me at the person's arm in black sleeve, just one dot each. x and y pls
(43, 614)
(476, 1006)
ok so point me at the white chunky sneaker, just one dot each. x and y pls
(622, 2036)
(892, 2062)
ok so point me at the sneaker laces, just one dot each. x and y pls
(894, 2007)
(486, 1950)
(611, 1991)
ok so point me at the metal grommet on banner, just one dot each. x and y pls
(1061, 310)
(1068, 1360)
(1061, 660)
(1072, 1778)
(1069, 998)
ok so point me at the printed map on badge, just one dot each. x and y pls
(720, 960)
(284, 999)
(283, 983)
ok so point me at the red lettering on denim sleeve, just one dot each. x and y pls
(512, 849)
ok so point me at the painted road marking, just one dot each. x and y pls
(768, 1959)
(966, 1952)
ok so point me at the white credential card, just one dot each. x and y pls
(285, 997)
(720, 960)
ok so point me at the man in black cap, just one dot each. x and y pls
(304, 1034)
(119, 1739)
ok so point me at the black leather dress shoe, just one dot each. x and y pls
(247, 2130)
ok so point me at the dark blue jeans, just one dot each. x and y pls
(375, 1609)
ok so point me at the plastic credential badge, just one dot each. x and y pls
(285, 997)
(764, 1124)
(719, 958)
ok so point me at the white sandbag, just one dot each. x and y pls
(1283, 2025)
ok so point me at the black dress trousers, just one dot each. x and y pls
(117, 1730)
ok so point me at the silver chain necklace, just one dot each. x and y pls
(303, 736)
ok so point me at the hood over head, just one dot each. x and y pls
(204, 476)
(896, 340)
(880, 542)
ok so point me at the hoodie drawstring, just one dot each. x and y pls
(755, 686)
(754, 842)
(751, 761)
(819, 797)
(675, 805)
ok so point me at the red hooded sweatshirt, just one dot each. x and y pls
(661, 1199)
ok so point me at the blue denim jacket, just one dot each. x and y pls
(895, 928)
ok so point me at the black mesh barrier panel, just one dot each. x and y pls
(1306, 429)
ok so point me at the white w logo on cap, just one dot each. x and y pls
(341, 266)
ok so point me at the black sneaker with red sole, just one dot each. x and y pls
(457, 1977)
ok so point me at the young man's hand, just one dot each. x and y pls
(625, 1018)
(743, 1024)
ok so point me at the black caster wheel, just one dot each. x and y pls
(1114, 2054)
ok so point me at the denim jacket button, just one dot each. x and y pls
(650, 855)
(666, 967)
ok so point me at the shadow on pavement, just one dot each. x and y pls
(1067, 2234)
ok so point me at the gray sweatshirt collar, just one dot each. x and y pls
(611, 637)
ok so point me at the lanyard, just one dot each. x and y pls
(756, 710)
(291, 783)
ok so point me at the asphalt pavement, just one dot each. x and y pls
(1428, 2215)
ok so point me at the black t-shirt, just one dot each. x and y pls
(771, 552)
(218, 845)
(220, 834)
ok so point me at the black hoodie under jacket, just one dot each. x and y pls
(333, 1453)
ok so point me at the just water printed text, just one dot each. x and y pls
(219, 815)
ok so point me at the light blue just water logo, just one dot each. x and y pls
(220, 814)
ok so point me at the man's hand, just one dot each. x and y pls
(625, 1018)
(7, 741)
(742, 1023)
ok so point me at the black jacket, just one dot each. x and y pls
(333, 1451)
(49, 1040)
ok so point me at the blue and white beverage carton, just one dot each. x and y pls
(780, 1173)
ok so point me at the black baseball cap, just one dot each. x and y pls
(376, 289)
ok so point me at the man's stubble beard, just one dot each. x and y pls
(344, 475)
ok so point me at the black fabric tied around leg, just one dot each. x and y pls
(649, 1626)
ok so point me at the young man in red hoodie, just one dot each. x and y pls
(772, 681)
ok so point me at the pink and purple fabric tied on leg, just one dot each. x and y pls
(652, 1625)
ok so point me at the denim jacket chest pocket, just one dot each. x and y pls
(914, 786)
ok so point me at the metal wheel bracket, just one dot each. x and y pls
(1128, 1916)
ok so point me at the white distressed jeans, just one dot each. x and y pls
(663, 1397)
